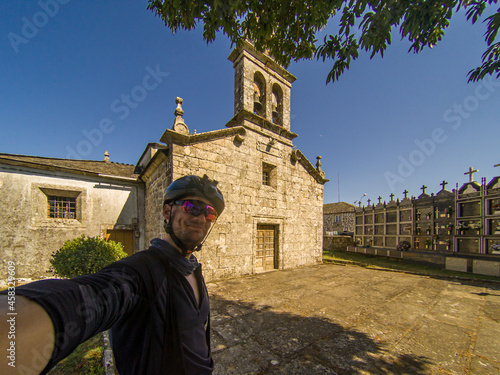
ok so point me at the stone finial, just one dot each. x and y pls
(318, 166)
(179, 125)
(178, 111)
(106, 156)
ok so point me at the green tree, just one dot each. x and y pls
(84, 255)
(287, 29)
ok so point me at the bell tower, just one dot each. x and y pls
(261, 87)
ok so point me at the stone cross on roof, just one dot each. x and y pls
(405, 193)
(443, 184)
(369, 200)
(392, 196)
(470, 173)
(379, 199)
(423, 189)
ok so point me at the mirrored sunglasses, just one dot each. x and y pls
(195, 208)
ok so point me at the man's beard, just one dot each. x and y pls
(187, 237)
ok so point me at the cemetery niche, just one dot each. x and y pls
(465, 220)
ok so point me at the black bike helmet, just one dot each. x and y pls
(195, 186)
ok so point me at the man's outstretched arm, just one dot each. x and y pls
(27, 336)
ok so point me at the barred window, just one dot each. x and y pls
(265, 178)
(61, 207)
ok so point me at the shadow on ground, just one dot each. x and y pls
(250, 339)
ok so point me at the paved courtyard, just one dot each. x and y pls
(334, 319)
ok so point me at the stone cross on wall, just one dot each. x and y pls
(423, 189)
(405, 193)
(470, 173)
(392, 196)
(443, 184)
(379, 200)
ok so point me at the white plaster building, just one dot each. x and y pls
(46, 201)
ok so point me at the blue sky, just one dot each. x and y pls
(71, 71)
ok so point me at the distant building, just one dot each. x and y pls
(338, 218)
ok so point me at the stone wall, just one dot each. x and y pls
(337, 242)
(29, 237)
(346, 223)
(155, 185)
(293, 202)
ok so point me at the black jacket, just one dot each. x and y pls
(156, 328)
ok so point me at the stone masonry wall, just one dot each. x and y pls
(337, 242)
(346, 224)
(155, 186)
(294, 202)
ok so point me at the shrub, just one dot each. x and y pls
(84, 255)
(403, 246)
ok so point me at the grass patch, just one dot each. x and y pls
(86, 359)
(379, 262)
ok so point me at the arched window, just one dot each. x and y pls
(259, 94)
(277, 105)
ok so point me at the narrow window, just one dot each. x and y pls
(269, 175)
(265, 178)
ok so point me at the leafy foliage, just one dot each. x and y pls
(85, 255)
(286, 29)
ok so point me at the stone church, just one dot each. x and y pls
(274, 195)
